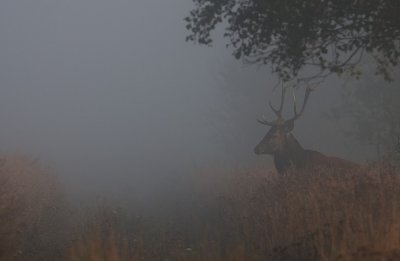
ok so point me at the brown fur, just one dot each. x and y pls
(288, 153)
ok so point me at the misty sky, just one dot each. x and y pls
(111, 96)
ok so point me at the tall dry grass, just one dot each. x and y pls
(258, 215)
(320, 215)
(32, 211)
(324, 214)
(101, 238)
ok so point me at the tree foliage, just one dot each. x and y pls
(290, 35)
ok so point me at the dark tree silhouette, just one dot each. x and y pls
(330, 35)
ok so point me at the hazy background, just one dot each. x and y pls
(110, 96)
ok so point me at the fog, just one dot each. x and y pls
(112, 98)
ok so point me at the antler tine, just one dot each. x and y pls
(279, 111)
(273, 109)
(265, 122)
(306, 96)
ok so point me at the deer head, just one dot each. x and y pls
(279, 137)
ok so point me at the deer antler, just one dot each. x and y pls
(279, 111)
(306, 96)
(265, 122)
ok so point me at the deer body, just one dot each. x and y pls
(287, 151)
(292, 155)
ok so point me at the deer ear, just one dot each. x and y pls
(289, 125)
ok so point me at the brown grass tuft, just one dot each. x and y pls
(323, 215)
(258, 215)
(30, 211)
(222, 215)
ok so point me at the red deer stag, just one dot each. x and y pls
(286, 150)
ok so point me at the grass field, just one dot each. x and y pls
(251, 214)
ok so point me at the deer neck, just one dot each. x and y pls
(292, 155)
